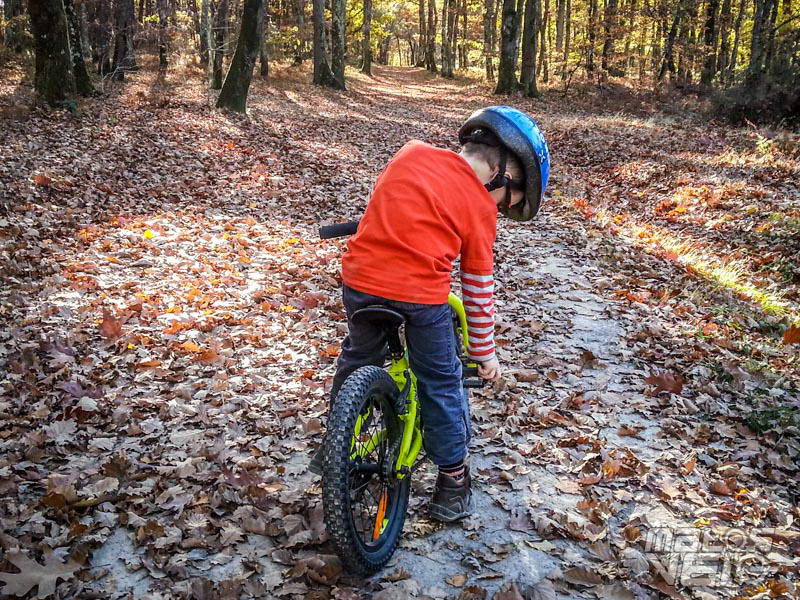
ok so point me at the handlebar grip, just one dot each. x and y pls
(469, 371)
(327, 232)
(474, 383)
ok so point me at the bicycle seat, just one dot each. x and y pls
(379, 314)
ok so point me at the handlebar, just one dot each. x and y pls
(327, 232)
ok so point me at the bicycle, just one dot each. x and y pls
(374, 441)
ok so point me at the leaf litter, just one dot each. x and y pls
(169, 338)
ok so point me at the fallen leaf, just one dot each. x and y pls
(541, 590)
(32, 574)
(207, 357)
(111, 327)
(615, 591)
(792, 335)
(720, 488)
(568, 486)
(582, 576)
(457, 580)
(635, 561)
(666, 382)
(520, 520)
(588, 359)
(526, 376)
(509, 591)
(398, 575)
(472, 592)
(629, 430)
(61, 431)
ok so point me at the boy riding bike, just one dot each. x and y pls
(428, 207)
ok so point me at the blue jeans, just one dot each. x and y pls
(444, 406)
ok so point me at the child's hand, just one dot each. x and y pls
(489, 369)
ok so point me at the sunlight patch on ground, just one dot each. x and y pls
(732, 275)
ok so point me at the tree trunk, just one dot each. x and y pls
(299, 44)
(423, 42)
(264, 61)
(322, 69)
(770, 37)
(263, 54)
(217, 47)
(83, 83)
(737, 29)
(640, 50)
(430, 50)
(655, 41)
(366, 44)
(103, 39)
(668, 63)
(13, 11)
(383, 50)
(124, 22)
(54, 79)
(162, 33)
(237, 82)
(543, 22)
(529, 39)
(689, 45)
(610, 30)
(464, 36)
(447, 69)
(338, 42)
(725, 19)
(489, 28)
(710, 42)
(452, 30)
(560, 13)
(592, 35)
(452, 15)
(756, 43)
(509, 34)
(204, 32)
(567, 35)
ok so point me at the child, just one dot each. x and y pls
(428, 207)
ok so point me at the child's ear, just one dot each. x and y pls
(517, 201)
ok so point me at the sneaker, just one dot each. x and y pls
(315, 466)
(452, 501)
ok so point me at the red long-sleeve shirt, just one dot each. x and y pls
(427, 207)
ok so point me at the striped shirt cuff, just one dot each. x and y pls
(478, 293)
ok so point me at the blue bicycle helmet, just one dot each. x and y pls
(512, 131)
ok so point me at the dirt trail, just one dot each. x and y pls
(188, 429)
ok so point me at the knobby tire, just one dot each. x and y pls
(367, 386)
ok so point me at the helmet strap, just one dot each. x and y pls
(500, 179)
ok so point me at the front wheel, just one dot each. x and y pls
(364, 503)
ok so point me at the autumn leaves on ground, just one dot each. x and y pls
(170, 322)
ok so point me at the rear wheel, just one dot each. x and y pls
(365, 504)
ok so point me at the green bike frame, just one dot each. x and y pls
(400, 371)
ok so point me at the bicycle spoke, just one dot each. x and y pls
(372, 499)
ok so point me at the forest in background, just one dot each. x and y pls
(743, 54)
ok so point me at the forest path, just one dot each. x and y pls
(171, 321)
